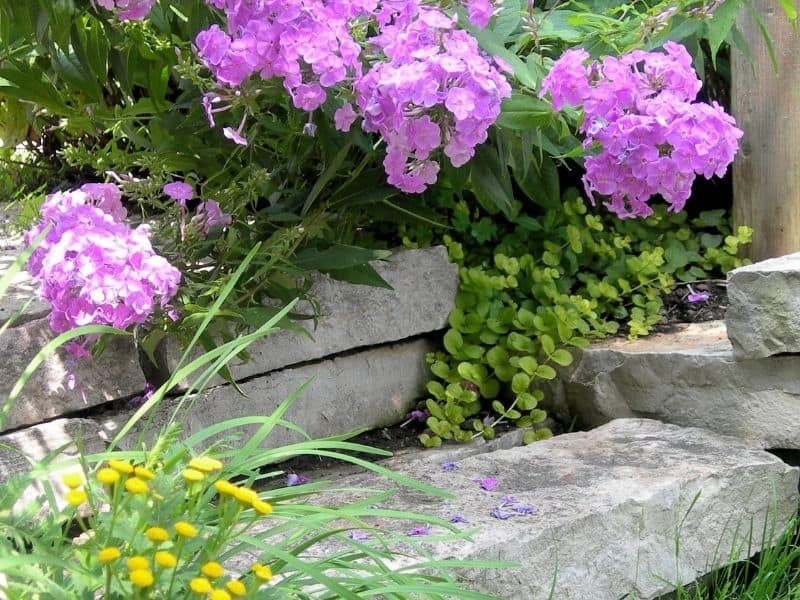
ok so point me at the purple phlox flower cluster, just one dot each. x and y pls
(456, 518)
(208, 216)
(488, 483)
(128, 10)
(449, 466)
(640, 110)
(420, 530)
(93, 267)
(358, 536)
(293, 479)
(697, 296)
(422, 84)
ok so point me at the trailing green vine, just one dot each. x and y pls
(536, 287)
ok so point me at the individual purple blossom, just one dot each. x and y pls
(293, 479)
(179, 191)
(488, 483)
(524, 509)
(420, 530)
(415, 415)
(358, 536)
(508, 500)
(499, 513)
(697, 296)
(568, 79)
(234, 135)
(128, 10)
(449, 466)
(344, 116)
(480, 12)
(457, 518)
(209, 215)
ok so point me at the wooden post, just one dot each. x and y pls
(766, 104)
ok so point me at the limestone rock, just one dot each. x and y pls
(688, 378)
(763, 316)
(634, 507)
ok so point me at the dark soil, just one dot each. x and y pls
(679, 309)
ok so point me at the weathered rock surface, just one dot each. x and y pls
(17, 297)
(763, 316)
(115, 374)
(688, 378)
(357, 316)
(368, 389)
(634, 507)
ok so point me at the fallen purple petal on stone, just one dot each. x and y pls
(449, 466)
(419, 531)
(499, 513)
(295, 479)
(358, 536)
(508, 500)
(488, 483)
(458, 519)
(524, 509)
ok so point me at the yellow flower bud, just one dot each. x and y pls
(141, 578)
(245, 495)
(212, 570)
(120, 466)
(206, 464)
(76, 497)
(72, 480)
(107, 476)
(200, 585)
(109, 554)
(193, 476)
(185, 529)
(137, 563)
(220, 595)
(236, 587)
(136, 486)
(225, 488)
(261, 507)
(165, 559)
(157, 534)
(144, 473)
(262, 572)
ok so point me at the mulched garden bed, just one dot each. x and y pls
(703, 301)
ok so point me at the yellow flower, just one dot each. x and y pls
(225, 488)
(120, 466)
(166, 559)
(261, 507)
(245, 495)
(193, 476)
(236, 587)
(262, 572)
(109, 554)
(206, 464)
(220, 595)
(141, 578)
(157, 534)
(107, 476)
(137, 563)
(76, 497)
(144, 473)
(212, 570)
(185, 529)
(72, 480)
(200, 585)
(136, 486)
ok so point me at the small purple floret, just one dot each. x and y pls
(295, 479)
(458, 519)
(488, 483)
(358, 536)
(419, 531)
(449, 466)
(499, 513)
(524, 509)
(697, 296)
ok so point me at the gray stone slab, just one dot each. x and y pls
(22, 291)
(357, 316)
(689, 378)
(635, 507)
(763, 316)
(115, 374)
(367, 389)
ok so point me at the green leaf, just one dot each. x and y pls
(337, 257)
(522, 112)
(528, 364)
(561, 357)
(520, 383)
(546, 372)
(548, 345)
(360, 274)
(453, 342)
(490, 181)
(790, 9)
(498, 407)
(720, 25)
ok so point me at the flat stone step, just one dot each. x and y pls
(763, 315)
(47, 394)
(351, 317)
(367, 389)
(632, 509)
(688, 378)
(18, 295)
